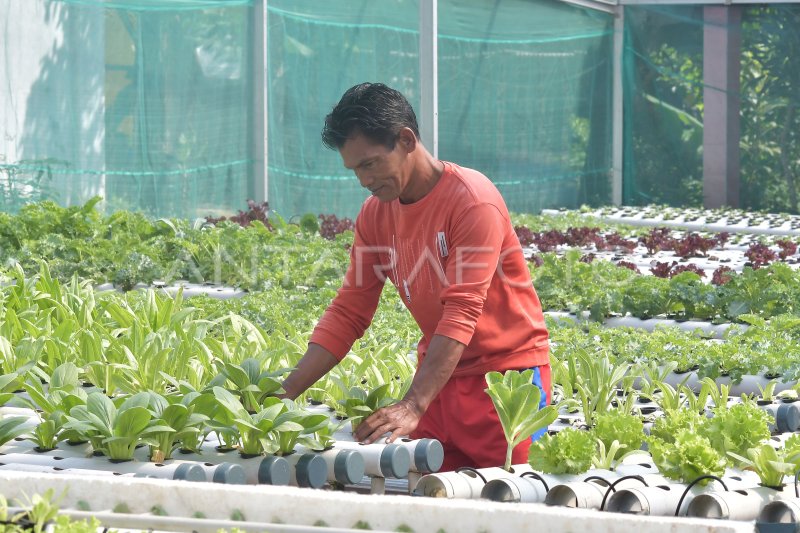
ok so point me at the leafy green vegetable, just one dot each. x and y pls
(615, 425)
(516, 400)
(770, 464)
(570, 451)
(115, 431)
(686, 457)
(737, 429)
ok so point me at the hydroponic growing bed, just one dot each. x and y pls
(133, 380)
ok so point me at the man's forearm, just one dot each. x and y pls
(315, 363)
(436, 369)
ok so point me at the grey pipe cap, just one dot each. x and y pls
(311, 471)
(189, 472)
(230, 474)
(395, 461)
(428, 455)
(274, 471)
(787, 417)
(348, 467)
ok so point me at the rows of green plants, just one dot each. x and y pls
(690, 441)
(692, 432)
(206, 362)
(765, 348)
(127, 248)
(307, 259)
(604, 289)
(123, 369)
(143, 368)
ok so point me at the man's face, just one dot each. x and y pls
(379, 169)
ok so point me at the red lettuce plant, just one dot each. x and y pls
(694, 245)
(330, 226)
(629, 266)
(662, 270)
(689, 267)
(722, 275)
(255, 211)
(759, 255)
(658, 239)
(788, 248)
(525, 235)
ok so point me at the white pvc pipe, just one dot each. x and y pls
(183, 471)
(56, 470)
(659, 500)
(290, 505)
(785, 416)
(783, 511)
(742, 504)
(21, 445)
(518, 489)
(714, 330)
(589, 492)
(696, 226)
(464, 483)
(580, 494)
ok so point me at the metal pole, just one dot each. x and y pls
(260, 122)
(721, 67)
(617, 108)
(428, 76)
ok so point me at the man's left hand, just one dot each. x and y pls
(398, 419)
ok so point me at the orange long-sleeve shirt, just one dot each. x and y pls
(457, 263)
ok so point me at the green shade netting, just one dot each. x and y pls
(664, 93)
(148, 107)
(524, 94)
(149, 103)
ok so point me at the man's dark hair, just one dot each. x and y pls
(372, 109)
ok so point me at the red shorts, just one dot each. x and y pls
(463, 418)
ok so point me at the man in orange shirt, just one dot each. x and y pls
(443, 236)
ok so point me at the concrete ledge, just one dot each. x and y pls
(290, 505)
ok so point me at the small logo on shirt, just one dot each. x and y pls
(442, 243)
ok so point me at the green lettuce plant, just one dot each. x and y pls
(624, 428)
(597, 379)
(359, 404)
(175, 424)
(516, 400)
(63, 393)
(115, 431)
(737, 429)
(570, 451)
(686, 457)
(249, 382)
(11, 428)
(769, 464)
(276, 428)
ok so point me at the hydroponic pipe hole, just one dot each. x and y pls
(692, 484)
(537, 477)
(613, 487)
(597, 478)
(470, 470)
